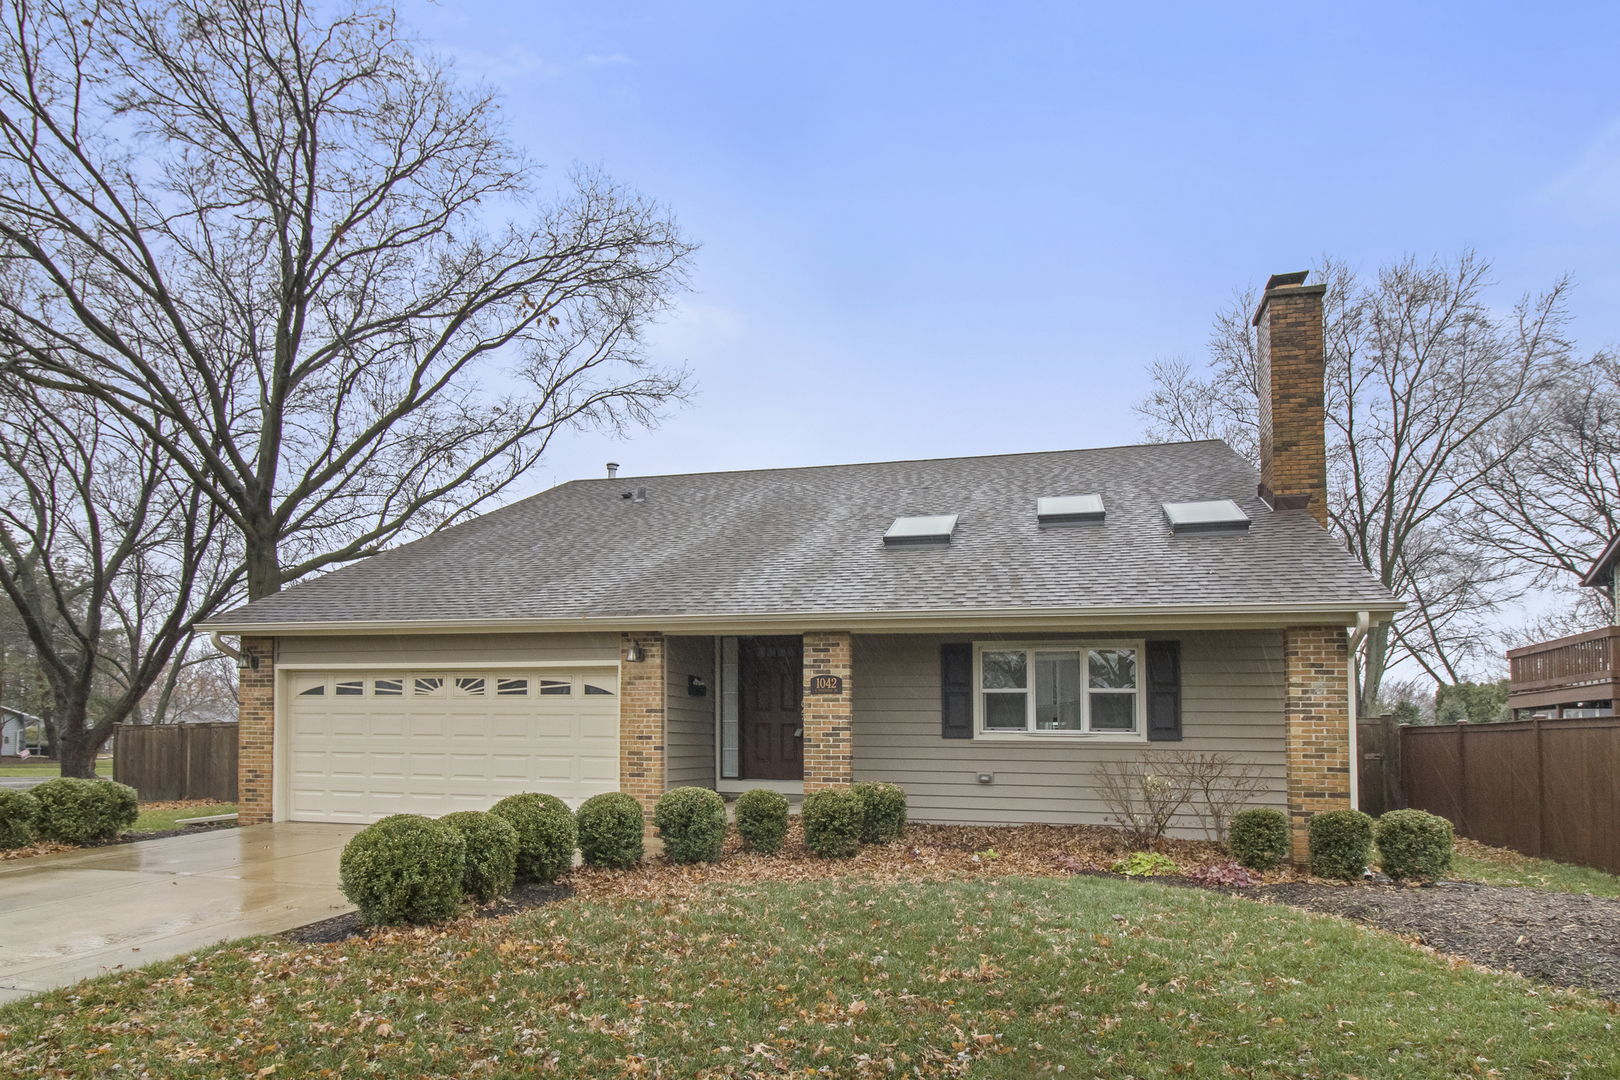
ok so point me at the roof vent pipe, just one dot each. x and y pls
(641, 495)
(613, 469)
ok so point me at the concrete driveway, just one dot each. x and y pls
(84, 913)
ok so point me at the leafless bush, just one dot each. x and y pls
(1142, 795)
(1218, 786)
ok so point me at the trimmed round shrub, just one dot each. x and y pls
(76, 811)
(1259, 838)
(762, 820)
(547, 834)
(833, 820)
(19, 812)
(1413, 844)
(404, 869)
(491, 859)
(611, 828)
(883, 811)
(692, 823)
(1341, 840)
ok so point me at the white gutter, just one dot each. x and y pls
(1144, 616)
(1363, 624)
(224, 648)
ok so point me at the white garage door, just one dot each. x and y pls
(366, 745)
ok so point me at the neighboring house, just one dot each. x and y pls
(19, 731)
(982, 631)
(1577, 676)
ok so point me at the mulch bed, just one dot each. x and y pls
(342, 928)
(1559, 938)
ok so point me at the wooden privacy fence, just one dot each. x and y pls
(177, 761)
(1546, 788)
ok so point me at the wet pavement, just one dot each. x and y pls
(83, 913)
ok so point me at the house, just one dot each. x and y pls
(982, 631)
(19, 731)
(1575, 676)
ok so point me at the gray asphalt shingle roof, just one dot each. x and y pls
(810, 540)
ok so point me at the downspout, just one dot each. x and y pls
(1363, 624)
(224, 648)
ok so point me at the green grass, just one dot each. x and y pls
(49, 768)
(1513, 869)
(161, 820)
(984, 978)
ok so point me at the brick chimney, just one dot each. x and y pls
(1293, 366)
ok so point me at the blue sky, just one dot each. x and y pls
(934, 229)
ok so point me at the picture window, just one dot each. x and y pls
(1060, 689)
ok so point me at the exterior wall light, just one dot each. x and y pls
(633, 654)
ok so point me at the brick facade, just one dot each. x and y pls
(828, 760)
(641, 720)
(1316, 713)
(256, 732)
(1293, 365)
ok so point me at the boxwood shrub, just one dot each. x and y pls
(883, 811)
(611, 830)
(491, 858)
(76, 811)
(547, 834)
(404, 869)
(1259, 838)
(1413, 844)
(1341, 840)
(19, 812)
(692, 823)
(833, 820)
(762, 820)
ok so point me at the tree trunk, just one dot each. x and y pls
(77, 751)
(1372, 671)
(263, 560)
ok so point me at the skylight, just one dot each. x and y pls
(933, 529)
(1218, 515)
(1069, 509)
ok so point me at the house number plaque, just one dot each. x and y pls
(826, 684)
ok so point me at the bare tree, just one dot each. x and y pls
(1553, 503)
(272, 240)
(106, 557)
(1181, 406)
(1424, 390)
(1218, 786)
(1143, 796)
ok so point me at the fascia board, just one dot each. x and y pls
(1162, 617)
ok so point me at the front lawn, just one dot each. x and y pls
(996, 976)
(1500, 866)
(161, 817)
(42, 769)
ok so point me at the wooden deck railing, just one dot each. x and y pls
(1578, 668)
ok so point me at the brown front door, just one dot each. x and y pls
(770, 681)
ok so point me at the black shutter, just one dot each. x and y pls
(956, 691)
(1164, 691)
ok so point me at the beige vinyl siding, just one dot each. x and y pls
(337, 650)
(1232, 702)
(688, 721)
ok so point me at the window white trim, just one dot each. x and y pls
(1138, 645)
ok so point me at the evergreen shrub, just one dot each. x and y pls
(611, 830)
(833, 820)
(1413, 844)
(77, 811)
(19, 813)
(692, 823)
(883, 811)
(1259, 838)
(762, 820)
(1341, 841)
(547, 834)
(404, 869)
(491, 859)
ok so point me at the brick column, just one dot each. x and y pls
(827, 717)
(641, 720)
(256, 733)
(1317, 716)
